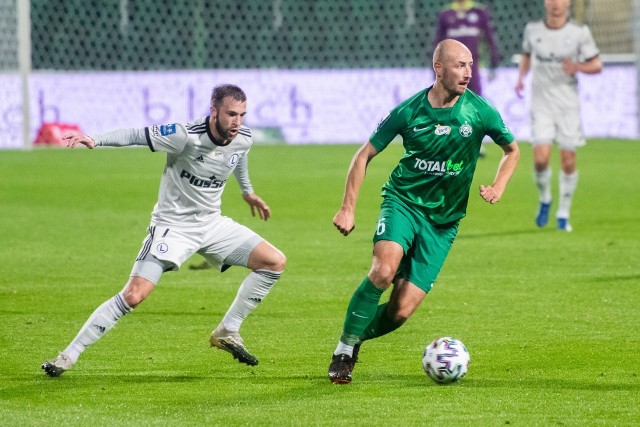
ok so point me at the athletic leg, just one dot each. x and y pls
(267, 264)
(404, 300)
(568, 183)
(363, 307)
(364, 302)
(101, 321)
(542, 176)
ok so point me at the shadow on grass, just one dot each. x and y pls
(475, 235)
(632, 383)
(556, 384)
(614, 278)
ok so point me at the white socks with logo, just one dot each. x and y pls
(543, 182)
(568, 185)
(252, 291)
(101, 320)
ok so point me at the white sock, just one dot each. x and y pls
(543, 182)
(252, 291)
(100, 322)
(343, 348)
(568, 185)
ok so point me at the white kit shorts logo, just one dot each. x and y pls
(162, 248)
(466, 130)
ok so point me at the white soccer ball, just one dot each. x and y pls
(445, 360)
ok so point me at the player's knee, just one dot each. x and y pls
(568, 166)
(399, 319)
(133, 298)
(382, 275)
(275, 261)
(279, 261)
(136, 291)
(398, 314)
(540, 165)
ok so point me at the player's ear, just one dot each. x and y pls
(213, 111)
(437, 68)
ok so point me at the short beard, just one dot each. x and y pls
(224, 134)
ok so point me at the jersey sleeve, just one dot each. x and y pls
(496, 129)
(526, 40)
(241, 172)
(168, 138)
(121, 138)
(388, 128)
(588, 48)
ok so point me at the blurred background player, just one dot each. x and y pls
(470, 23)
(556, 49)
(201, 156)
(442, 128)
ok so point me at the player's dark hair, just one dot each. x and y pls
(222, 91)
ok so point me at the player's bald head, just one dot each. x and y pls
(449, 48)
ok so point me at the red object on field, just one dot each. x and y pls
(52, 133)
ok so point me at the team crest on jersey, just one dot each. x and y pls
(233, 160)
(466, 130)
(442, 130)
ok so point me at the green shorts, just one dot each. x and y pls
(425, 245)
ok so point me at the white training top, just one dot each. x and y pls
(551, 87)
(196, 171)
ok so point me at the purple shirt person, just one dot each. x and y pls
(469, 23)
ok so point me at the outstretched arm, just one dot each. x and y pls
(75, 139)
(493, 193)
(344, 220)
(116, 138)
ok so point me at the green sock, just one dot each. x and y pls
(380, 325)
(361, 311)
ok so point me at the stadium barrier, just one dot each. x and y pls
(300, 106)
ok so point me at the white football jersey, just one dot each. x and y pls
(551, 87)
(196, 171)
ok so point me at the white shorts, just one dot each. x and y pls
(222, 242)
(564, 128)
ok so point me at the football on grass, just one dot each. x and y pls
(445, 360)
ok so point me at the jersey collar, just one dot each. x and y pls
(455, 110)
(210, 134)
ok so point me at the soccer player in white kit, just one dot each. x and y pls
(556, 49)
(201, 156)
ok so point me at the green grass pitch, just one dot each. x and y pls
(551, 319)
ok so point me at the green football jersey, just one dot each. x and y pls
(442, 146)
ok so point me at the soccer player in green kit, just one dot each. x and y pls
(424, 199)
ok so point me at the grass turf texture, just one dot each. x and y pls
(550, 318)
